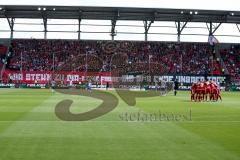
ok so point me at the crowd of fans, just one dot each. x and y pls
(120, 56)
(3, 50)
(231, 58)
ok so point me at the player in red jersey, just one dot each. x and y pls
(203, 84)
(193, 91)
(207, 90)
(215, 91)
(200, 91)
(212, 87)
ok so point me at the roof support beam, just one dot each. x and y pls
(45, 27)
(44, 17)
(114, 22)
(79, 28)
(238, 27)
(212, 29)
(147, 25)
(11, 25)
(216, 28)
(180, 28)
(79, 24)
(113, 31)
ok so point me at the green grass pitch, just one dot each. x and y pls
(29, 129)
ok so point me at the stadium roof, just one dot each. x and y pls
(119, 13)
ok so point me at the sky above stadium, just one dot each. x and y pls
(181, 4)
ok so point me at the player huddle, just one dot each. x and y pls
(205, 91)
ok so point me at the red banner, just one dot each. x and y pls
(45, 77)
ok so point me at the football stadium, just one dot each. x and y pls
(120, 80)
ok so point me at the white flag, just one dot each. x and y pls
(212, 40)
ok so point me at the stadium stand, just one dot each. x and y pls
(231, 57)
(3, 50)
(170, 58)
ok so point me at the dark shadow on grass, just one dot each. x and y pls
(62, 110)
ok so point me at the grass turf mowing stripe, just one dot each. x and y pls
(15, 103)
